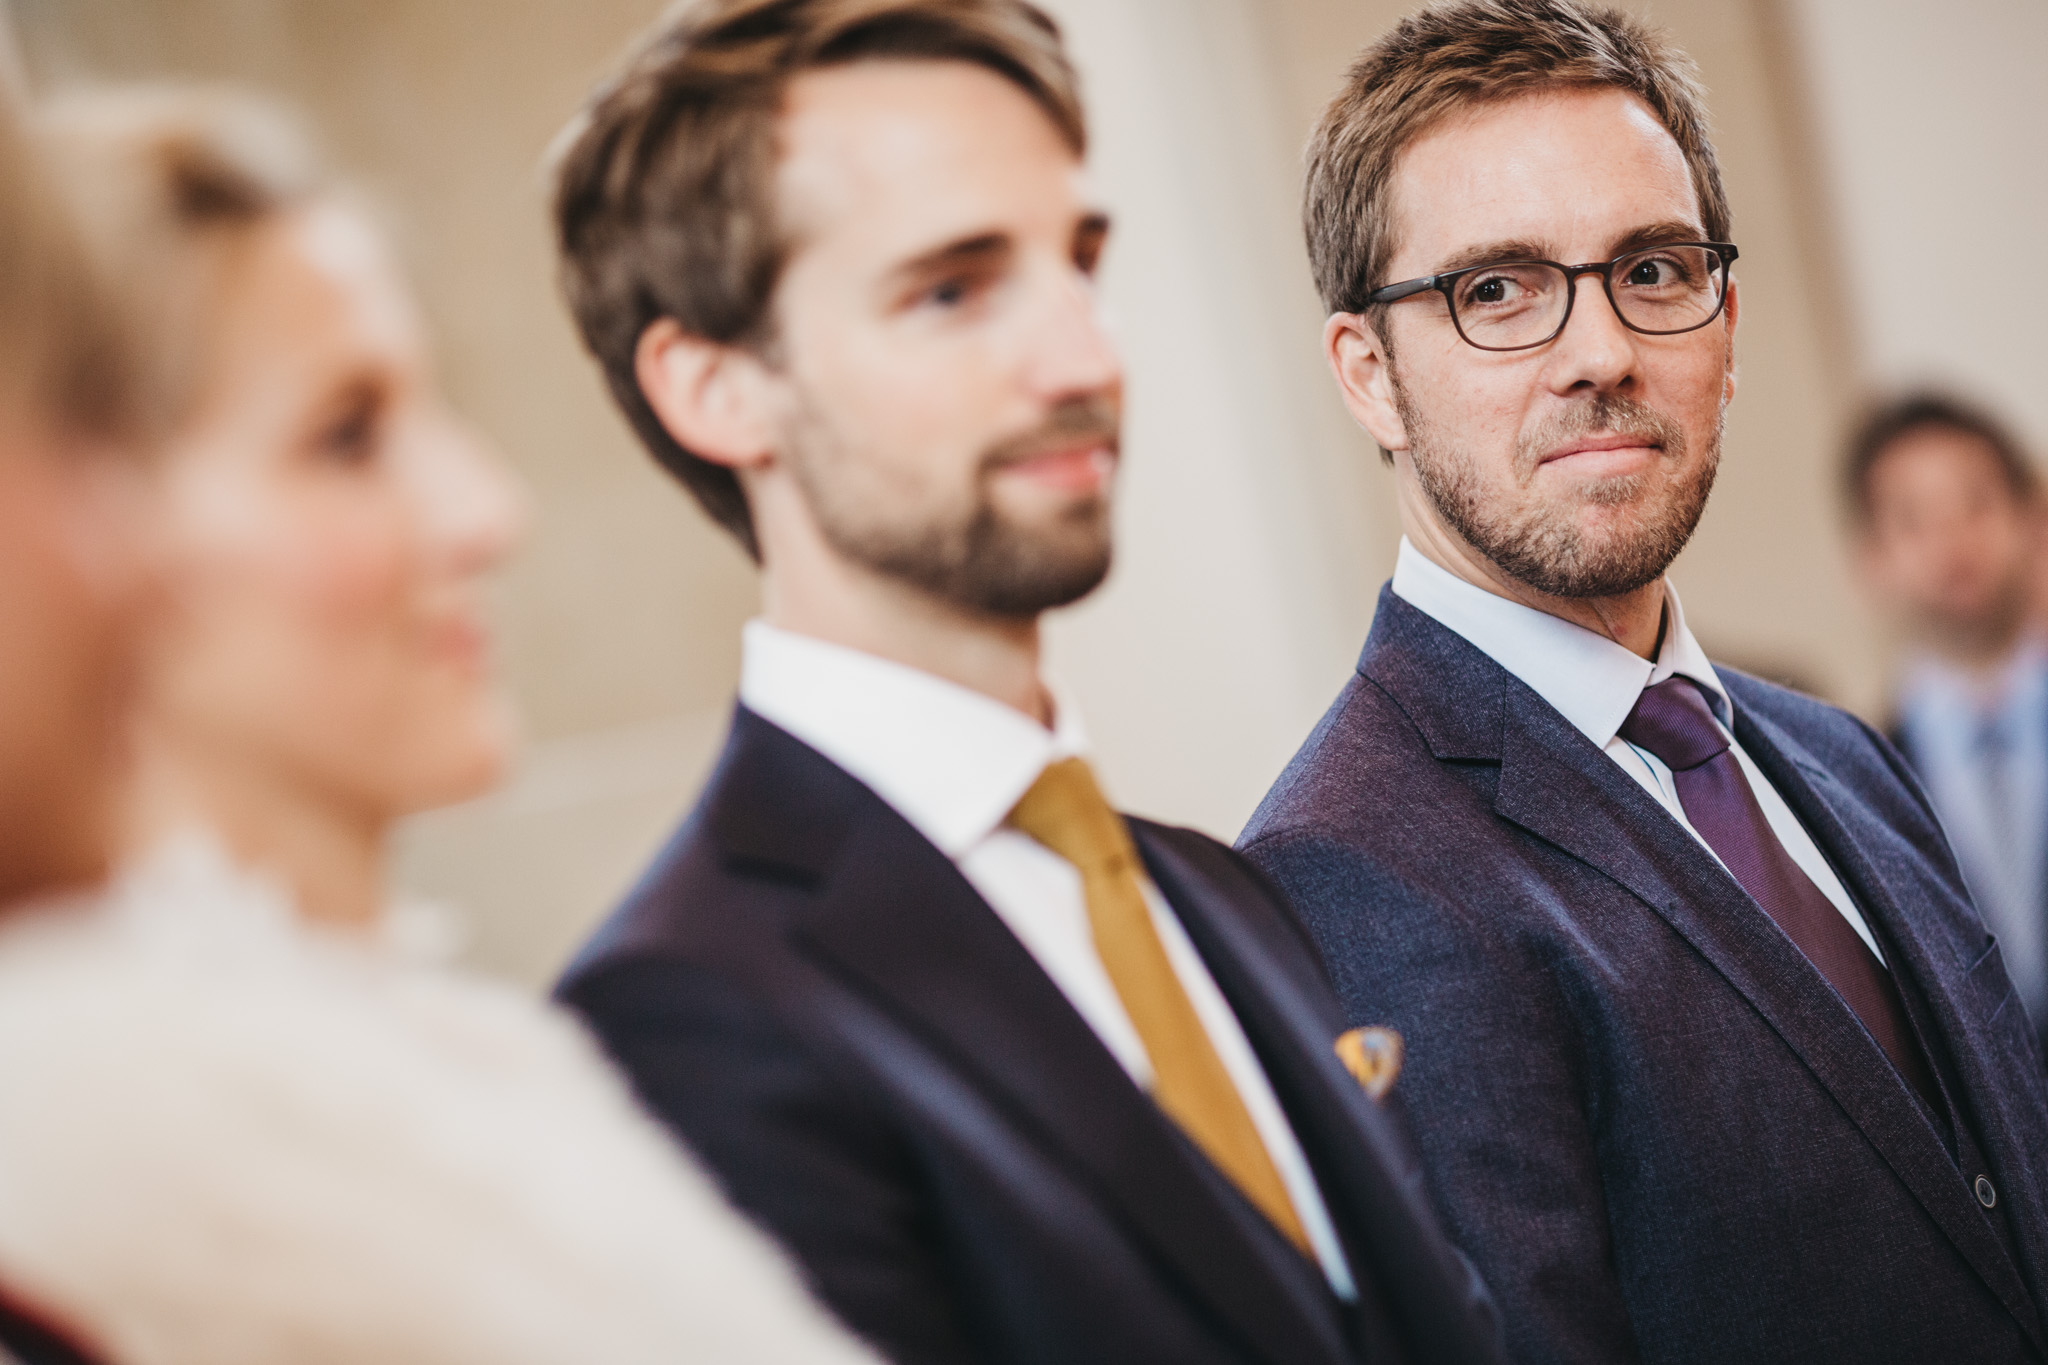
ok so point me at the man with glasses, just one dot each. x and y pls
(1709, 1055)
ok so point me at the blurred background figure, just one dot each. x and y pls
(1950, 521)
(248, 1119)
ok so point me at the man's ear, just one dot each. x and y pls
(1358, 359)
(715, 400)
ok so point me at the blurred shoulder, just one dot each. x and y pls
(359, 1158)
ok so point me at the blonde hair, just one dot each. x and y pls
(62, 354)
(166, 181)
(1458, 55)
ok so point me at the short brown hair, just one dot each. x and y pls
(1457, 55)
(166, 180)
(664, 193)
(1888, 421)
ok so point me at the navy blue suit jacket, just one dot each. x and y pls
(815, 1000)
(1647, 1118)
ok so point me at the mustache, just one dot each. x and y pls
(1094, 420)
(1602, 414)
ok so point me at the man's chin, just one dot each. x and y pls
(1024, 588)
(1599, 552)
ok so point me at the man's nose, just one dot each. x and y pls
(1075, 352)
(1597, 350)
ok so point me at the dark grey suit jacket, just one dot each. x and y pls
(1646, 1117)
(811, 995)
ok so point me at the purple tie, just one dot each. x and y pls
(1673, 722)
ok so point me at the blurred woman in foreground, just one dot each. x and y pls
(241, 1123)
(71, 587)
(70, 575)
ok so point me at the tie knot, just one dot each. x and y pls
(1673, 721)
(1066, 811)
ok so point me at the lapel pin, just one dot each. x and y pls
(1373, 1056)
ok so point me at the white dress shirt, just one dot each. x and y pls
(954, 763)
(1594, 683)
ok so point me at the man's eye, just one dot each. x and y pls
(1495, 290)
(948, 293)
(1658, 272)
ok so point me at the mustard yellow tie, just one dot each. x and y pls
(1066, 812)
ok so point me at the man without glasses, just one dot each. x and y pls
(1016, 1079)
(1710, 1057)
(1947, 509)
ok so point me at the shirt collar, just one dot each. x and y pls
(951, 761)
(1587, 678)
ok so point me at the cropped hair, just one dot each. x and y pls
(1458, 55)
(664, 199)
(167, 180)
(1888, 421)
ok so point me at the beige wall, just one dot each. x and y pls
(1932, 123)
(1255, 528)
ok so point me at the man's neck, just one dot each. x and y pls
(996, 657)
(1633, 620)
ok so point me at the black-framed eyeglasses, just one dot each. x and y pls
(1514, 305)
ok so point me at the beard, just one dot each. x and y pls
(969, 554)
(1543, 543)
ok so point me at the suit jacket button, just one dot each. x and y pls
(1986, 1195)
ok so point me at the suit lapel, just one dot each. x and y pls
(1825, 809)
(898, 922)
(1594, 811)
(1558, 787)
(1369, 1182)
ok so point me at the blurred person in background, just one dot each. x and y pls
(1018, 1079)
(244, 1120)
(74, 581)
(1948, 516)
(1711, 1057)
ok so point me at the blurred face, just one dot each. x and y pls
(330, 525)
(1579, 467)
(72, 585)
(1948, 540)
(949, 398)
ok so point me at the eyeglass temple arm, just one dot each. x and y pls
(1394, 292)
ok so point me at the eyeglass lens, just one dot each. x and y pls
(1524, 303)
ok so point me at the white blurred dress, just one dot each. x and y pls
(231, 1139)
